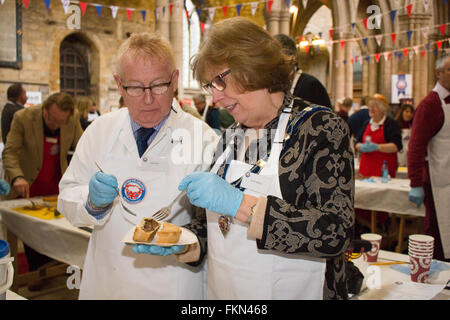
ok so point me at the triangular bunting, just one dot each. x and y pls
(98, 7)
(199, 12)
(224, 10)
(409, 9)
(83, 6)
(254, 6)
(379, 38)
(305, 3)
(367, 58)
(405, 52)
(354, 25)
(238, 9)
(114, 11)
(65, 4)
(365, 41)
(269, 6)
(416, 49)
(409, 34)
(47, 4)
(164, 10)
(365, 23)
(393, 37)
(171, 9)
(26, 3)
(425, 31)
(331, 33)
(427, 46)
(202, 26)
(442, 28)
(211, 13)
(393, 13)
(439, 44)
(307, 48)
(129, 13)
(422, 53)
(387, 56)
(377, 57)
(143, 13)
(342, 44)
(288, 3)
(2, 1)
(426, 4)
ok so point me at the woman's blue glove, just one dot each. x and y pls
(4, 187)
(208, 190)
(369, 147)
(103, 189)
(417, 195)
(157, 250)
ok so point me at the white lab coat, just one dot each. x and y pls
(111, 269)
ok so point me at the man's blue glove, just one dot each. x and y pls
(103, 189)
(157, 250)
(4, 187)
(208, 190)
(416, 195)
(369, 147)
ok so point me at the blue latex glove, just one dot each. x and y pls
(103, 189)
(369, 147)
(208, 190)
(157, 250)
(416, 195)
(4, 187)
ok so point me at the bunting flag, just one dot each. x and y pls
(387, 56)
(342, 43)
(305, 3)
(65, 4)
(377, 57)
(254, 6)
(26, 3)
(409, 9)
(409, 34)
(307, 48)
(99, 10)
(442, 28)
(211, 13)
(202, 26)
(405, 51)
(171, 9)
(47, 4)
(393, 13)
(114, 11)
(426, 4)
(393, 37)
(439, 44)
(224, 10)
(365, 41)
(379, 38)
(269, 6)
(354, 25)
(238, 9)
(2, 1)
(331, 34)
(365, 23)
(422, 53)
(143, 13)
(83, 6)
(129, 13)
(288, 3)
(425, 32)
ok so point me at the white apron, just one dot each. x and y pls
(124, 274)
(237, 269)
(439, 164)
(402, 155)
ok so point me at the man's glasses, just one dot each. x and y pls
(217, 82)
(158, 89)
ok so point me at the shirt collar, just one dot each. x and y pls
(135, 127)
(441, 91)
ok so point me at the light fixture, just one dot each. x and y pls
(293, 10)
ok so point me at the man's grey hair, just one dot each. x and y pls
(440, 62)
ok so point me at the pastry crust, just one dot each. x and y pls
(146, 230)
(168, 233)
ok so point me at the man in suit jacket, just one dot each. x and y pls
(17, 97)
(35, 154)
(304, 85)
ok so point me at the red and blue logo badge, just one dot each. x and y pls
(133, 191)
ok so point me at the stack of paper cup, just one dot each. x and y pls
(420, 249)
(375, 241)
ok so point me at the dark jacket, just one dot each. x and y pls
(7, 116)
(309, 88)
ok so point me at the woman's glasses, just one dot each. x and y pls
(217, 82)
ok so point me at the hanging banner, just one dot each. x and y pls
(254, 6)
(114, 11)
(401, 87)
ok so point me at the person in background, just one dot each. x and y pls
(344, 108)
(83, 105)
(304, 85)
(210, 114)
(356, 121)
(282, 233)
(379, 141)
(185, 107)
(226, 119)
(404, 118)
(130, 159)
(93, 112)
(429, 159)
(35, 154)
(17, 97)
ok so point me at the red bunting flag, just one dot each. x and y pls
(269, 5)
(409, 9)
(422, 53)
(307, 48)
(331, 33)
(129, 12)
(25, 3)
(442, 28)
(439, 44)
(351, 60)
(83, 6)
(377, 57)
(405, 52)
(365, 23)
(393, 37)
(224, 9)
(202, 25)
(187, 15)
(171, 8)
(342, 44)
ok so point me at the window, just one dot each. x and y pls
(74, 73)
(191, 41)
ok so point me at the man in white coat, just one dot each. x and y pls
(135, 158)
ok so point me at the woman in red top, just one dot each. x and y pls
(379, 141)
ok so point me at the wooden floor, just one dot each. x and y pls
(53, 289)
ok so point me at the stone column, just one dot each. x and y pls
(162, 21)
(273, 22)
(338, 73)
(348, 68)
(285, 21)
(176, 39)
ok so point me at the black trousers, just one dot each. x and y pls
(34, 258)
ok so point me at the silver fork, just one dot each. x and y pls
(120, 199)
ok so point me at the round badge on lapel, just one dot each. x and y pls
(133, 191)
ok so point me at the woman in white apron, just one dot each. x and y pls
(284, 177)
(404, 119)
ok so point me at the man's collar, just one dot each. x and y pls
(441, 91)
